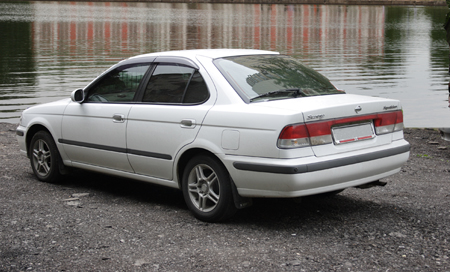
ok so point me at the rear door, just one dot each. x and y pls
(174, 104)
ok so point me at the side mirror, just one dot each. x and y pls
(77, 96)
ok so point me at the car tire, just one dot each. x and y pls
(44, 157)
(207, 189)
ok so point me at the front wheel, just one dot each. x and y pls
(45, 159)
(206, 189)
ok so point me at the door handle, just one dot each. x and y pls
(188, 123)
(118, 118)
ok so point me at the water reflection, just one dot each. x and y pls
(398, 52)
(16, 63)
(124, 28)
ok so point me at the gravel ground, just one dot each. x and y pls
(92, 222)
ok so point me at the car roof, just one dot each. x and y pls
(211, 53)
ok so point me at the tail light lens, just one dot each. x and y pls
(318, 133)
(301, 135)
(294, 136)
(388, 122)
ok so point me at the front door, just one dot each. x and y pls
(94, 132)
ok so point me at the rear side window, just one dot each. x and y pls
(176, 84)
(119, 85)
(197, 91)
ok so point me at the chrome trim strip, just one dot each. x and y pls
(94, 146)
(117, 149)
(305, 168)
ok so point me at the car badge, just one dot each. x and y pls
(391, 107)
(358, 109)
(314, 117)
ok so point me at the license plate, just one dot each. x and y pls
(353, 133)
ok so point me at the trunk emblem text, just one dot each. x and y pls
(389, 107)
(318, 116)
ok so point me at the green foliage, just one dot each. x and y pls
(447, 22)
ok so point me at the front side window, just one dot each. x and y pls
(119, 85)
(176, 84)
(272, 77)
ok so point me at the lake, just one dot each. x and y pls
(48, 49)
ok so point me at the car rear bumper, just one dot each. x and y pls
(265, 177)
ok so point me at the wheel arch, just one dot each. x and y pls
(31, 132)
(189, 154)
(239, 201)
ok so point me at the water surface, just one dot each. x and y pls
(49, 49)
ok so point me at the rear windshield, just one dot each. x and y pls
(259, 78)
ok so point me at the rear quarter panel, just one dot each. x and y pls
(249, 130)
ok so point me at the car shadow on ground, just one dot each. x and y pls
(116, 187)
(343, 208)
(337, 208)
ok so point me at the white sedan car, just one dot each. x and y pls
(223, 125)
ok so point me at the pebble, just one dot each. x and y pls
(80, 195)
(141, 262)
(397, 234)
(71, 199)
(73, 203)
(296, 263)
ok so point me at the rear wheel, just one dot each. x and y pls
(45, 159)
(206, 189)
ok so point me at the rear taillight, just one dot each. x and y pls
(388, 122)
(294, 136)
(318, 133)
(301, 135)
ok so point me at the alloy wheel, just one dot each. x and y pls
(42, 158)
(204, 188)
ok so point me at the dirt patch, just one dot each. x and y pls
(92, 222)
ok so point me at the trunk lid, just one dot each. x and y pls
(353, 121)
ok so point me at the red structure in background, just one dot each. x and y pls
(112, 28)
